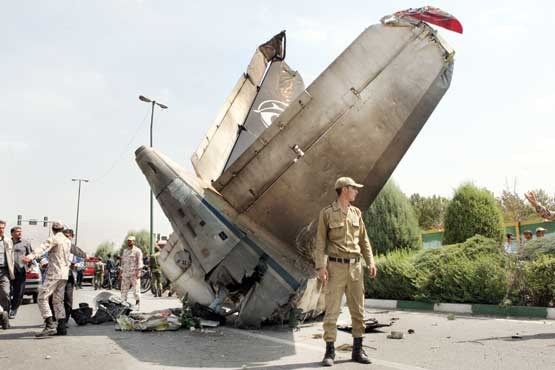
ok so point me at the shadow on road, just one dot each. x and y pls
(514, 338)
(220, 347)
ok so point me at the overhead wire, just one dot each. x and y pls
(124, 151)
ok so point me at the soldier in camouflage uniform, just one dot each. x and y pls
(540, 209)
(58, 248)
(155, 273)
(98, 274)
(131, 267)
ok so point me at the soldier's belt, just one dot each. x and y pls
(344, 260)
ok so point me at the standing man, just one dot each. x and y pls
(155, 273)
(341, 235)
(510, 247)
(110, 269)
(70, 285)
(6, 274)
(131, 267)
(527, 235)
(98, 274)
(540, 232)
(21, 248)
(59, 249)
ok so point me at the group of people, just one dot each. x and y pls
(55, 296)
(12, 272)
(512, 247)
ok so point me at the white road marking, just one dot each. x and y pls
(392, 365)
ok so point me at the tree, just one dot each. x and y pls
(142, 240)
(391, 221)
(430, 211)
(472, 211)
(104, 249)
(515, 209)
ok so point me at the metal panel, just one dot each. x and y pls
(210, 157)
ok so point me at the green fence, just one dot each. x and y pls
(434, 238)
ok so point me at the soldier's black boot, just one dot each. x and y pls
(49, 328)
(4, 320)
(62, 328)
(358, 352)
(330, 354)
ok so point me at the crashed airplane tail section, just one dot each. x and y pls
(357, 119)
(265, 169)
(260, 95)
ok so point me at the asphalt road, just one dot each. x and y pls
(475, 343)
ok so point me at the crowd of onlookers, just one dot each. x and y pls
(512, 247)
(62, 264)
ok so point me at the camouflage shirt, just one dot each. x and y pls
(131, 261)
(545, 213)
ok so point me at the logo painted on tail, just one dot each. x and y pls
(269, 110)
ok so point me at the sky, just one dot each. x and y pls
(72, 72)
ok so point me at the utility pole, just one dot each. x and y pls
(153, 102)
(78, 201)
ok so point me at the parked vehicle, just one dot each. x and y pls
(32, 282)
(88, 270)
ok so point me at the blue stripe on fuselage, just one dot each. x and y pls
(241, 235)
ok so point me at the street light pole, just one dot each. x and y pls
(153, 102)
(78, 201)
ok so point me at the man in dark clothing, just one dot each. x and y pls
(21, 248)
(110, 270)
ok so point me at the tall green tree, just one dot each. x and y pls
(142, 240)
(515, 208)
(391, 221)
(472, 211)
(104, 249)
(430, 211)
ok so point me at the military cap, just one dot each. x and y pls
(527, 231)
(57, 225)
(540, 229)
(346, 181)
(131, 237)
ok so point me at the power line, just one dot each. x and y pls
(124, 151)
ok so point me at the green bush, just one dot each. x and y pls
(391, 222)
(465, 280)
(537, 247)
(472, 211)
(396, 277)
(539, 276)
(470, 272)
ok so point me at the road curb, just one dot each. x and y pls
(464, 308)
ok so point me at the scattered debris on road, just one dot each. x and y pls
(344, 348)
(370, 325)
(411, 331)
(396, 335)
(451, 317)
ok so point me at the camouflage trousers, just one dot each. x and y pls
(98, 280)
(56, 289)
(156, 278)
(348, 279)
(130, 282)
